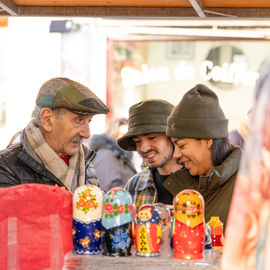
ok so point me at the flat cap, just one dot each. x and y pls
(71, 95)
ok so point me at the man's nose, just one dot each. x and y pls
(143, 147)
(177, 153)
(85, 131)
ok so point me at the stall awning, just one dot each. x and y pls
(192, 9)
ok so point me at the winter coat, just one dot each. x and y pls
(112, 164)
(17, 166)
(216, 188)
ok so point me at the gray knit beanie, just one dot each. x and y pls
(145, 117)
(198, 115)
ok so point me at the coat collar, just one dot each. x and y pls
(181, 179)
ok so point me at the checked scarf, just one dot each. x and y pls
(71, 176)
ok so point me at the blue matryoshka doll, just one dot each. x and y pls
(117, 222)
(87, 214)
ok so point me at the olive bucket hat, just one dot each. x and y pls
(145, 117)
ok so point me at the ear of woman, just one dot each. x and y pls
(209, 143)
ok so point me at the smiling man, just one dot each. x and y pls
(146, 135)
(50, 150)
(199, 131)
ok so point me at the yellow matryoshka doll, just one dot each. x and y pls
(189, 234)
(148, 232)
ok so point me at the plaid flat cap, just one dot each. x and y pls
(65, 93)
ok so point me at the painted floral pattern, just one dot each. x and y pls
(121, 240)
(191, 209)
(97, 234)
(87, 201)
(73, 231)
(85, 242)
(113, 209)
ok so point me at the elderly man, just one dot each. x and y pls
(199, 131)
(50, 150)
(146, 135)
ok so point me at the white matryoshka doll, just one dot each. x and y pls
(117, 222)
(148, 232)
(188, 234)
(87, 214)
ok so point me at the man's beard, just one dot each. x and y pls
(162, 163)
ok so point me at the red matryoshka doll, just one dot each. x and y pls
(188, 235)
(148, 232)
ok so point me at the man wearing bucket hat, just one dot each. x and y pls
(146, 135)
(50, 150)
(199, 131)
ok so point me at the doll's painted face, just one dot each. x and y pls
(145, 213)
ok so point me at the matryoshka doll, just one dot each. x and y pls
(188, 235)
(148, 232)
(165, 224)
(117, 222)
(87, 214)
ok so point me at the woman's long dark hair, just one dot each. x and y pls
(220, 150)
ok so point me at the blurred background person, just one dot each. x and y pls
(113, 165)
(238, 136)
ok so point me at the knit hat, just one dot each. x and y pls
(149, 116)
(198, 115)
(65, 93)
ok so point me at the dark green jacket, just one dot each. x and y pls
(216, 188)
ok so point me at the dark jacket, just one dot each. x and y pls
(17, 166)
(216, 188)
(112, 164)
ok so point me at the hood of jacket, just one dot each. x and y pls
(102, 141)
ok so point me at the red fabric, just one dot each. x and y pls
(35, 226)
(66, 159)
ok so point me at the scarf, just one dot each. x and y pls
(71, 176)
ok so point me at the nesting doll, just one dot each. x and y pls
(117, 222)
(148, 232)
(208, 238)
(87, 214)
(165, 224)
(189, 234)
